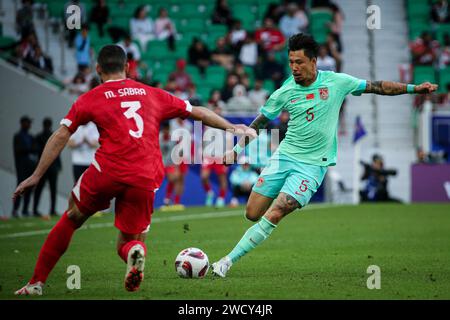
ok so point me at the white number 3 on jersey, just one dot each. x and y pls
(131, 113)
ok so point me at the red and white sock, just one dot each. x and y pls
(54, 247)
(125, 248)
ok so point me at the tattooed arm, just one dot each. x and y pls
(390, 88)
(258, 124)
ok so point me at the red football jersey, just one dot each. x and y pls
(128, 116)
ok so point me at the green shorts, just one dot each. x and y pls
(284, 174)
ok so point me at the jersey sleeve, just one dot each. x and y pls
(273, 107)
(173, 107)
(77, 116)
(351, 85)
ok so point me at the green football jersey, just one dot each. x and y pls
(314, 115)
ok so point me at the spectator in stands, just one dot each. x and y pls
(72, 33)
(24, 19)
(294, 21)
(222, 13)
(222, 54)
(242, 180)
(215, 100)
(142, 28)
(181, 78)
(133, 65)
(236, 36)
(199, 55)
(239, 101)
(51, 175)
(241, 72)
(83, 48)
(249, 51)
(275, 11)
(25, 162)
(100, 16)
(84, 143)
(193, 96)
(324, 61)
(171, 85)
(376, 177)
(333, 50)
(27, 45)
(165, 28)
(130, 47)
(227, 91)
(78, 85)
(271, 69)
(258, 95)
(337, 24)
(444, 57)
(39, 61)
(422, 156)
(269, 37)
(424, 49)
(282, 125)
(440, 12)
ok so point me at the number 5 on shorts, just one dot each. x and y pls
(303, 187)
(131, 113)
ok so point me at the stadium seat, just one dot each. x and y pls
(215, 76)
(441, 30)
(416, 29)
(320, 19)
(158, 50)
(194, 25)
(424, 73)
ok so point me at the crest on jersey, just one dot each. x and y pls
(323, 93)
(260, 182)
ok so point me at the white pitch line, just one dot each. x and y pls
(188, 217)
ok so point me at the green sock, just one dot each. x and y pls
(253, 237)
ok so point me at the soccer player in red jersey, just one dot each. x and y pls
(127, 166)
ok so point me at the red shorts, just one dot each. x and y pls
(134, 206)
(182, 168)
(211, 165)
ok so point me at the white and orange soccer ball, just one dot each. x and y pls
(192, 263)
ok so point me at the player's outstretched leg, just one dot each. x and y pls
(132, 250)
(255, 235)
(54, 247)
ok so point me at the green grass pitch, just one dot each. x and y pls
(316, 253)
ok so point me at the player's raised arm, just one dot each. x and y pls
(53, 148)
(211, 119)
(390, 88)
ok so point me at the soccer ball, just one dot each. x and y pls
(192, 263)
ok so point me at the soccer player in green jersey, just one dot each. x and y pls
(296, 169)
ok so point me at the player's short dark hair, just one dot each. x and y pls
(112, 59)
(302, 41)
